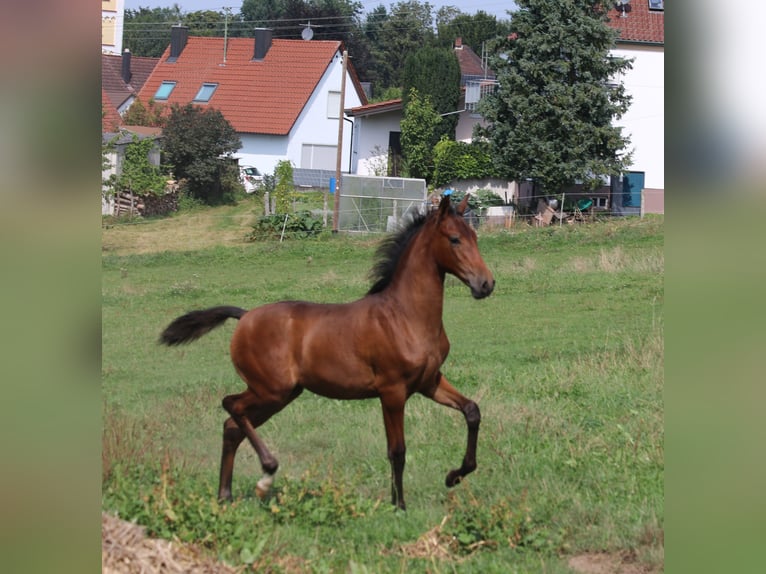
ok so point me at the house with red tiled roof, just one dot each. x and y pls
(122, 77)
(641, 27)
(281, 96)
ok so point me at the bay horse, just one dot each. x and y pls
(389, 344)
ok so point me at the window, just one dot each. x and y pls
(600, 202)
(333, 105)
(317, 156)
(657, 5)
(205, 93)
(163, 92)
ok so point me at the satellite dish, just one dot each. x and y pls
(307, 33)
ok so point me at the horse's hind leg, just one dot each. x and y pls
(248, 412)
(446, 394)
(232, 437)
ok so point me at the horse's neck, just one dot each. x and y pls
(418, 285)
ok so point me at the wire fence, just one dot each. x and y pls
(378, 215)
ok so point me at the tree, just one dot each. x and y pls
(199, 143)
(419, 129)
(473, 29)
(151, 115)
(283, 186)
(435, 72)
(146, 32)
(391, 38)
(552, 116)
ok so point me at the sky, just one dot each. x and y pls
(497, 8)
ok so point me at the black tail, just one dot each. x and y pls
(193, 325)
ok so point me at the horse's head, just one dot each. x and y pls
(456, 250)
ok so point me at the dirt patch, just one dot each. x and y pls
(603, 563)
(125, 549)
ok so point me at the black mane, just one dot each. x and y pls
(390, 251)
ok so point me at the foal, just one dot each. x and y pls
(389, 344)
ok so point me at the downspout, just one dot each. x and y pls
(350, 143)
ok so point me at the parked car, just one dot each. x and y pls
(251, 178)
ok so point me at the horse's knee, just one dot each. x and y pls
(232, 434)
(472, 415)
(397, 453)
(228, 403)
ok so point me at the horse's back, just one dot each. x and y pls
(312, 345)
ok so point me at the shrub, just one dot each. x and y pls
(299, 225)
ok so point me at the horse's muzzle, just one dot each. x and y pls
(482, 287)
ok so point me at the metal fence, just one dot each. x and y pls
(376, 204)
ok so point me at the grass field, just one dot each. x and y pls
(565, 360)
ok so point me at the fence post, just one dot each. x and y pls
(561, 213)
(284, 225)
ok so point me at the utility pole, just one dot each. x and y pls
(339, 155)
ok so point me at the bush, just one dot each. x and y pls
(458, 160)
(299, 225)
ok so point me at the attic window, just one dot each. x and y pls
(163, 92)
(205, 93)
(657, 5)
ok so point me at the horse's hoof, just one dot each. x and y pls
(453, 478)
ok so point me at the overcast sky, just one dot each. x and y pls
(496, 7)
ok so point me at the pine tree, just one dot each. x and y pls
(435, 72)
(552, 117)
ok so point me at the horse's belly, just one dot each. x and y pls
(340, 390)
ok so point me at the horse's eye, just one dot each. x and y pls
(454, 239)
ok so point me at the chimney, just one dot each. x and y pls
(262, 43)
(178, 37)
(126, 73)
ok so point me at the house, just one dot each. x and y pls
(641, 25)
(282, 97)
(117, 139)
(112, 24)
(377, 130)
(476, 81)
(376, 144)
(123, 76)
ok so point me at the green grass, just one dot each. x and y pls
(565, 360)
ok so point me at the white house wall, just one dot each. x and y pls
(312, 127)
(644, 121)
(371, 141)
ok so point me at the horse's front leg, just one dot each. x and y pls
(393, 417)
(446, 394)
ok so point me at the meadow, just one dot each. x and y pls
(565, 360)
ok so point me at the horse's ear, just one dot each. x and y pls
(444, 206)
(462, 206)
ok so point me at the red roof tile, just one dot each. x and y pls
(111, 76)
(470, 62)
(639, 24)
(265, 96)
(110, 119)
